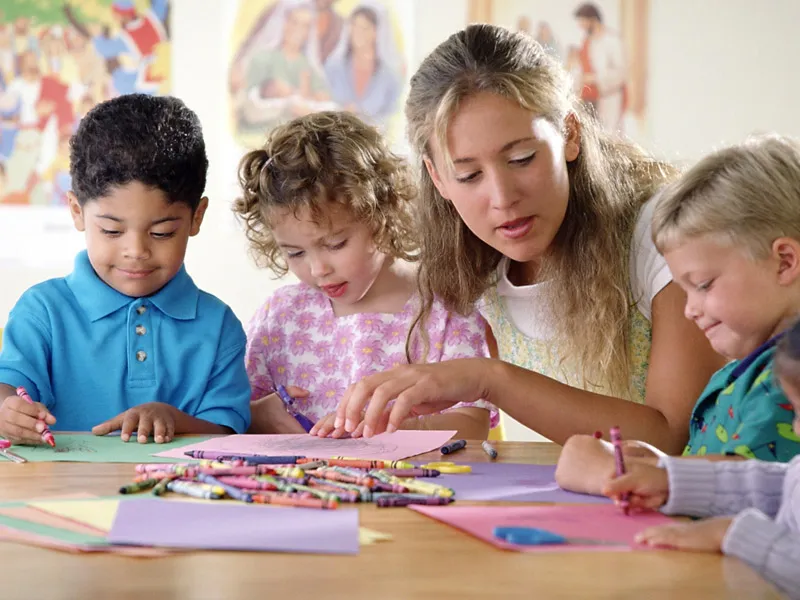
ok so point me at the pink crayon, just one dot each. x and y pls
(47, 437)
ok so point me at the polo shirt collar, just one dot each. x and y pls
(178, 299)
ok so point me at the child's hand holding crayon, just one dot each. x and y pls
(22, 422)
(646, 486)
(269, 414)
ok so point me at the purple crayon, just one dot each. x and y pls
(405, 501)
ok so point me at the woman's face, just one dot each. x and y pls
(509, 182)
(297, 28)
(362, 33)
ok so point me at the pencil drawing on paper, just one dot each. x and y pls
(308, 445)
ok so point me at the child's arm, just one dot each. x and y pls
(226, 400)
(701, 488)
(25, 361)
(470, 423)
(772, 549)
(586, 463)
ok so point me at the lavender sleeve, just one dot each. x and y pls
(768, 546)
(701, 488)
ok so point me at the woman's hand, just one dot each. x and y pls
(415, 389)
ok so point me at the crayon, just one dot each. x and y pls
(489, 449)
(192, 489)
(405, 501)
(138, 487)
(47, 436)
(8, 454)
(619, 462)
(288, 402)
(232, 491)
(294, 500)
(453, 446)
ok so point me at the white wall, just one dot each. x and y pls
(720, 69)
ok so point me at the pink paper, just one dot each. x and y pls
(386, 446)
(595, 522)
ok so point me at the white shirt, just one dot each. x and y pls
(649, 274)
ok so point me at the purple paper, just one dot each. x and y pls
(231, 526)
(513, 483)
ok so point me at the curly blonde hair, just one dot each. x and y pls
(320, 160)
(587, 262)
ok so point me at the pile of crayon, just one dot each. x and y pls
(292, 480)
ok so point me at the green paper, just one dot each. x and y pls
(62, 535)
(85, 447)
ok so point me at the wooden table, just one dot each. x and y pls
(425, 560)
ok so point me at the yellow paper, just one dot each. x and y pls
(95, 513)
(368, 536)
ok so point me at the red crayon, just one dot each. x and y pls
(47, 437)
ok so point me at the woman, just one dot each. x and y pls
(361, 72)
(526, 202)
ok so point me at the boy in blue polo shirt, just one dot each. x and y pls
(127, 341)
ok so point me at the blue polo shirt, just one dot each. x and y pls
(88, 352)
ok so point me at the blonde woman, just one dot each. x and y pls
(526, 203)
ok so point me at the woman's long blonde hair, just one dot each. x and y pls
(587, 263)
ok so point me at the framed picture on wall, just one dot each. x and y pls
(292, 57)
(603, 43)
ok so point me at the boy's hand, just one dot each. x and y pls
(647, 486)
(700, 536)
(269, 415)
(21, 422)
(153, 418)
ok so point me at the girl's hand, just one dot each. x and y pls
(269, 415)
(416, 390)
(22, 422)
(700, 536)
(153, 418)
(647, 487)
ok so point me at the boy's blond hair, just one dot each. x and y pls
(746, 195)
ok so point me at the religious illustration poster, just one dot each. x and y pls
(58, 58)
(294, 57)
(602, 43)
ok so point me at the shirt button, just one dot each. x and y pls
(141, 330)
(141, 356)
(141, 309)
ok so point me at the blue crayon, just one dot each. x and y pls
(453, 446)
(232, 491)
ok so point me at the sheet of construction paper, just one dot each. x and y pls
(604, 523)
(97, 513)
(85, 447)
(27, 525)
(386, 446)
(229, 526)
(510, 482)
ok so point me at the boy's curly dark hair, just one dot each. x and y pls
(324, 159)
(155, 140)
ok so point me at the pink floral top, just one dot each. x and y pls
(295, 339)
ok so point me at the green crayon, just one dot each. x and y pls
(138, 487)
